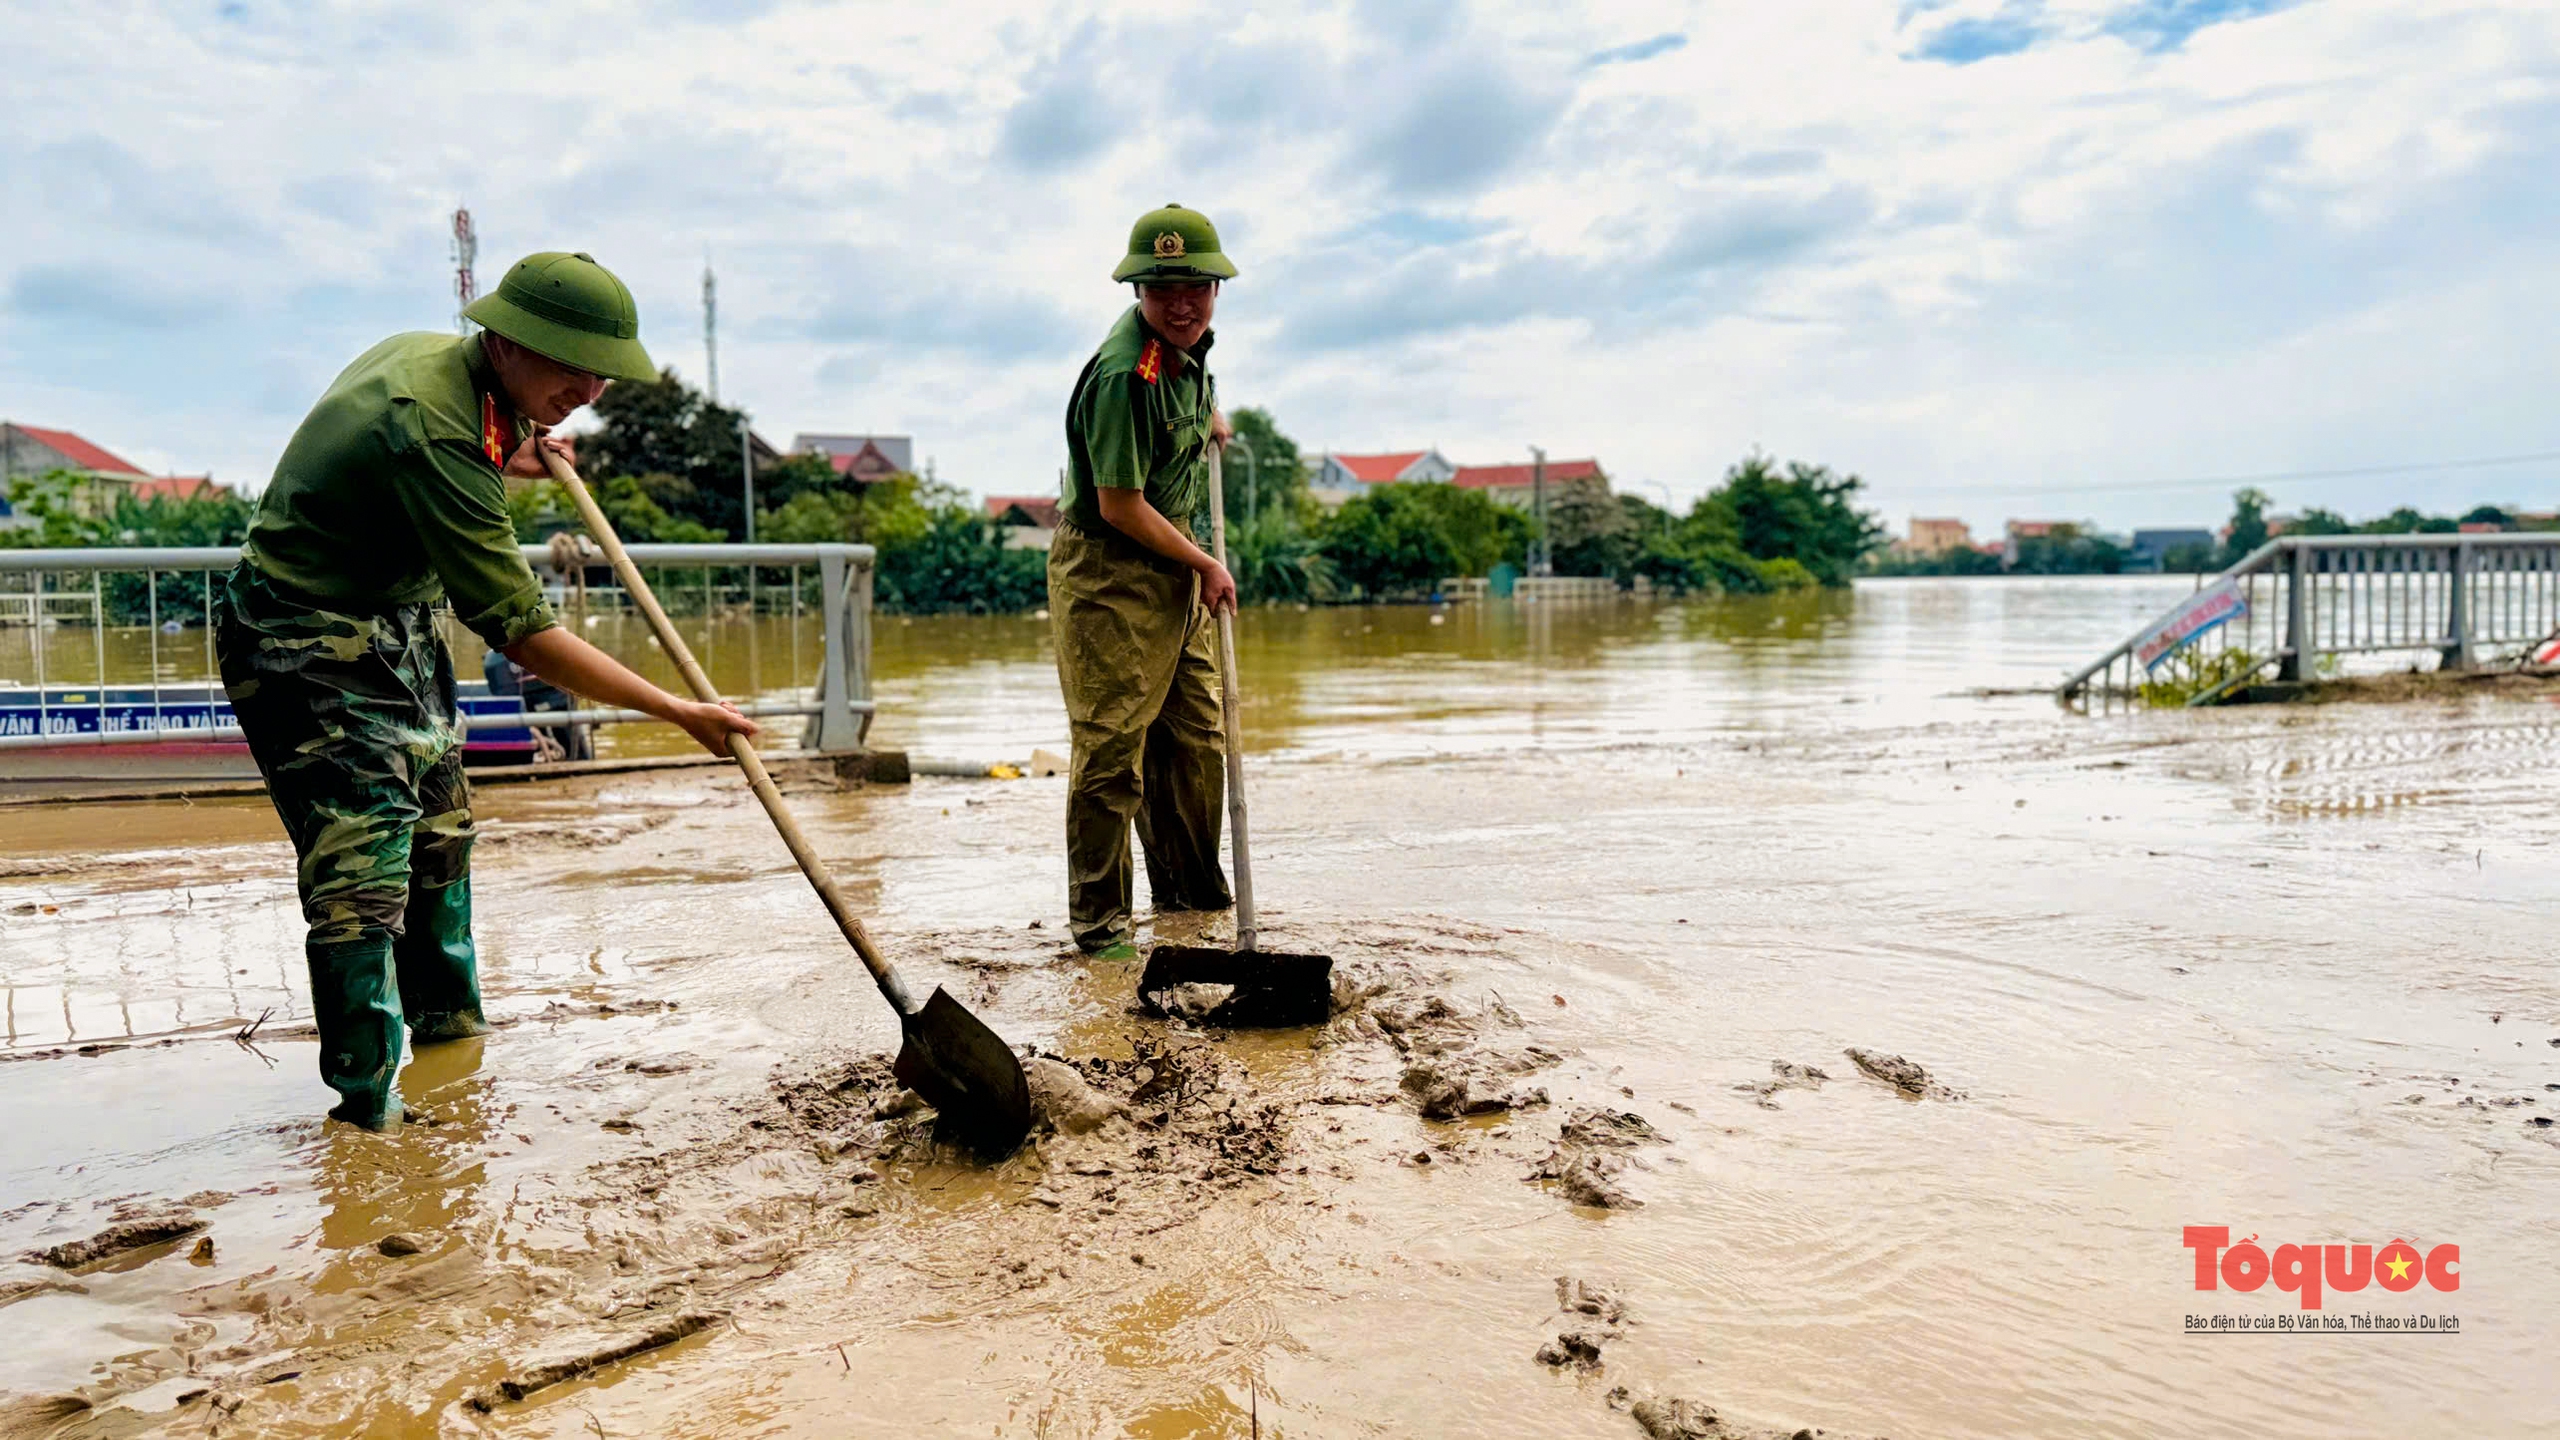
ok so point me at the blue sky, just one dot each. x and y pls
(2000, 257)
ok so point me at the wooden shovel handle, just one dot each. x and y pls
(1231, 709)
(740, 747)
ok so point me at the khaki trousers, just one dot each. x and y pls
(1138, 667)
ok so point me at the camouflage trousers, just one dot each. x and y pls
(353, 721)
(1138, 667)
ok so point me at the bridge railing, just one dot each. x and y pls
(159, 602)
(2304, 600)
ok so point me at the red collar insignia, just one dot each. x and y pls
(1151, 362)
(493, 442)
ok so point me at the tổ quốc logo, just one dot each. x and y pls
(2312, 1273)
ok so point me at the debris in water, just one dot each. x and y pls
(583, 1354)
(1599, 1125)
(1062, 1095)
(1446, 1090)
(402, 1242)
(1588, 1179)
(13, 1291)
(1901, 1074)
(125, 1236)
(203, 1253)
(1582, 1164)
(1581, 1297)
(1676, 1419)
(1785, 1076)
(1573, 1348)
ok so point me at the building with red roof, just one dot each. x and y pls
(29, 451)
(177, 487)
(1339, 477)
(861, 458)
(1029, 522)
(1517, 484)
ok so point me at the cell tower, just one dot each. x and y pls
(710, 333)
(466, 248)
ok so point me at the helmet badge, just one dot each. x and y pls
(1168, 246)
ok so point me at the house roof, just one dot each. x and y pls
(1494, 477)
(80, 451)
(1378, 469)
(1040, 510)
(176, 487)
(898, 450)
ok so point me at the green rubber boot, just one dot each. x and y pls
(439, 969)
(359, 1017)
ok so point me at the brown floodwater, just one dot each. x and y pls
(2284, 970)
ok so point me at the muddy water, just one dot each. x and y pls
(2281, 970)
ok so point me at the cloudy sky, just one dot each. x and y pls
(2069, 258)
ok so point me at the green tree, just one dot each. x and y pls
(1388, 542)
(2196, 559)
(1404, 539)
(630, 504)
(959, 563)
(2248, 525)
(682, 449)
(1965, 560)
(1271, 481)
(67, 514)
(1276, 561)
(2316, 521)
(2487, 515)
(1592, 532)
(1806, 514)
(2068, 550)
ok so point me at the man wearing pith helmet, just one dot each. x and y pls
(1132, 594)
(388, 502)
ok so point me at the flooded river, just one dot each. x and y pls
(2285, 970)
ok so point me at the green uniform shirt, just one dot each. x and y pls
(1140, 420)
(389, 494)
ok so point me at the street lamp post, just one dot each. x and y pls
(1666, 507)
(747, 466)
(1543, 561)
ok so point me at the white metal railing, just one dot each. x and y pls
(163, 593)
(2304, 600)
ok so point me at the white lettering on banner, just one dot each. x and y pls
(2216, 604)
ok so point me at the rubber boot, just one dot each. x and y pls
(358, 1010)
(439, 969)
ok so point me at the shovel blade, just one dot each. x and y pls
(1271, 989)
(968, 1074)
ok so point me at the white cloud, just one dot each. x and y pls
(2127, 243)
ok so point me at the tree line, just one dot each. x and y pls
(664, 462)
(2083, 549)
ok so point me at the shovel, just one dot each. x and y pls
(1268, 988)
(962, 1068)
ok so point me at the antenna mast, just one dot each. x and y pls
(710, 335)
(466, 248)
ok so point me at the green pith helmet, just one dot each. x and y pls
(568, 308)
(1173, 244)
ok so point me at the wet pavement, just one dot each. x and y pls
(2281, 969)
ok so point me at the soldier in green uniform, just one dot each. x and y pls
(1132, 594)
(388, 500)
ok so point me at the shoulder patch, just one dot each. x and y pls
(1151, 362)
(493, 442)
